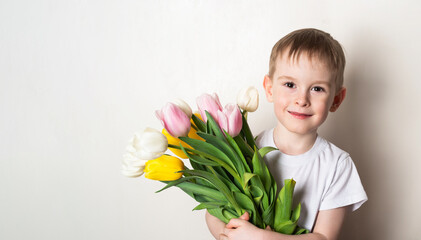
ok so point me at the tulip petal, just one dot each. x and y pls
(148, 145)
(131, 166)
(230, 119)
(248, 99)
(175, 121)
(223, 121)
(153, 143)
(131, 160)
(210, 103)
(164, 168)
(235, 119)
(184, 106)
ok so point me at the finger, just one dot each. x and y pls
(245, 216)
(234, 223)
(268, 228)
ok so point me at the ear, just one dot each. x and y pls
(339, 97)
(267, 85)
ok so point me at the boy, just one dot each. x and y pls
(304, 83)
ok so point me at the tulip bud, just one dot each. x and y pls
(230, 119)
(183, 106)
(164, 168)
(248, 99)
(149, 145)
(174, 120)
(210, 103)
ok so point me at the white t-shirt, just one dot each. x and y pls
(326, 177)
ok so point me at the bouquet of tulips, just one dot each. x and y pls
(228, 175)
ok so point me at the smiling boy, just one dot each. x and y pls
(305, 83)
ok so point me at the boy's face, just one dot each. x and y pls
(303, 93)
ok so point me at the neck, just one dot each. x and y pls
(293, 143)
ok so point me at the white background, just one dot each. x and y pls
(78, 78)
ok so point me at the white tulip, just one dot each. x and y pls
(149, 145)
(132, 166)
(248, 99)
(183, 106)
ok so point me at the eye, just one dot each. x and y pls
(318, 89)
(289, 84)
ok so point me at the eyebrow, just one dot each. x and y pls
(286, 77)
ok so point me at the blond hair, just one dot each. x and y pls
(315, 43)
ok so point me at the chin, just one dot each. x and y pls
(302, 131)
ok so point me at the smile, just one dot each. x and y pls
(299, 115)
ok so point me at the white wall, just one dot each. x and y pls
(78, 78)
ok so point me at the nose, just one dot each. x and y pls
(302, 99)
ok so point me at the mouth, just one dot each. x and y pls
(299, 115)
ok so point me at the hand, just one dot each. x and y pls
(240, 229)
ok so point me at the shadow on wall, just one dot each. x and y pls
(353, 129)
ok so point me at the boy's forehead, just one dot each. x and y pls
(286, 58)
(297, 59)
(285, 61)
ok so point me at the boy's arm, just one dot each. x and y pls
(216, 226)
(327, 227)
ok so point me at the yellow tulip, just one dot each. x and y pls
(164, 168)
(176, 141)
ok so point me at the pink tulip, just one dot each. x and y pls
(174, 120)
(230, 119)
(209, 103)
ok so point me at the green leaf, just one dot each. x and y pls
(300, 230)
(247, 176)
(261, 169)
(199, 123)
(229, 214)
(245, 148)
(202, 198)
(206, 150)
(265, 150)
(257, 194)
(210, 152)
(176, 182)
(246, 203)
(207, 205)
(296, 213)
(218, 184)
(268, 214)
(237, 149)
(227, 150)
(231, 183)
(199, 159)
(286, 227)
(202, 190)
(284, 203)
(214, 126)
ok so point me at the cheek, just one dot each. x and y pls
(322, 104)
(281, 102)
(281, 96)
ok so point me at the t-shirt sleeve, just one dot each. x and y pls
(345, 189)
